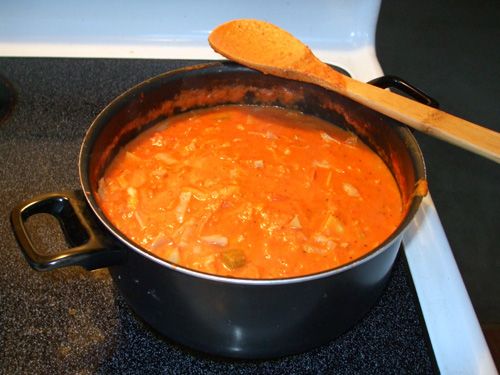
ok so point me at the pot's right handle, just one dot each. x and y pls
(90, 248)
(390, 81)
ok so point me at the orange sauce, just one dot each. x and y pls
(253, 192)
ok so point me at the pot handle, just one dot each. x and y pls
(89, 248)
(400, 84)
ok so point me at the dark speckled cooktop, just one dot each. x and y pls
(74, 321)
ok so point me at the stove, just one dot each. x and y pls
(65, 62)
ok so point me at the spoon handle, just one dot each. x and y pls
(432, 121)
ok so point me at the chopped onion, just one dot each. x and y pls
(320, 238)
(215, 239)
(122, 181)
(270, 135)
(332, 222)
(314, 250)
(138, 178)
(157, 140)
(295, 223)
(159, 172)
(191, 146)
(131, 191)
(329, 179)
(129, 155)
(101, 188)
(350, 190)
(166, 158)
(328, 138)
(352, 140)
(174, 256)
(329, 243)
(139, 220)
(258, 164)
(321, 164)
(132, 200)
(180, 210)
(160, 239)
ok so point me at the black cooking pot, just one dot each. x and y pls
(222, 315)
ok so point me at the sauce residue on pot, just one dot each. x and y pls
(251, 192)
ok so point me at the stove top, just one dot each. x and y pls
(71, 320)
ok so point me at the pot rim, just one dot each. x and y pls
(396, 235)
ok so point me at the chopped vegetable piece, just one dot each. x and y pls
(132, 198)
(352, 140)
(315, 250)
(139, 220)
(350, 190)
(233, 258)
(174, 256)
(215, 239)
(321, 164)
(159, 172)
(160, 240)
(258, 164)
(295, 223)
(166, 158)
(132, 157)
(101, 188)
(328, 138)
(333, 222)
(271, 135)
(180, 210)
(138, 178)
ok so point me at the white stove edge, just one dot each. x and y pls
(456, 336)
(457, 340)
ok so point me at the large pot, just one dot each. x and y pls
(221, 315)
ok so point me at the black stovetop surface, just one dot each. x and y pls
(74, 321)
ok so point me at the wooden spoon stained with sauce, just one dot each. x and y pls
(271, 50)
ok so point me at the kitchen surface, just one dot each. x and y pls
(75, 321)
(56, 321)
(445, 48)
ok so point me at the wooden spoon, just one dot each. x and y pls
(271, 50)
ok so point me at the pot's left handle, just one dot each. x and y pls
(89, 247)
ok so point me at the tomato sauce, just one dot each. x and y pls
(251, 192)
